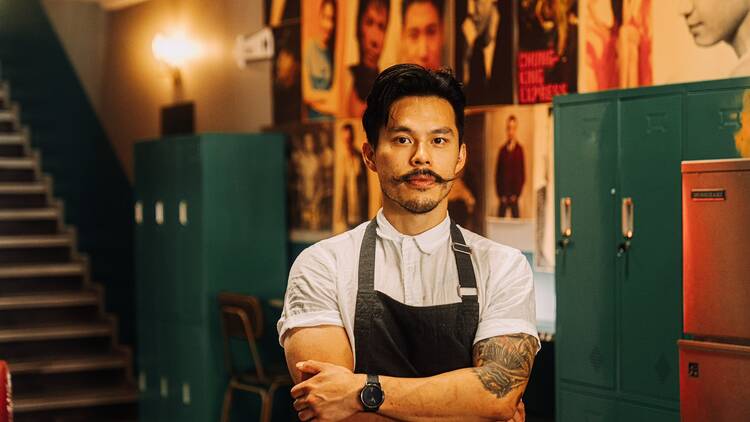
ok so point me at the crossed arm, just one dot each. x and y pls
(321, 362)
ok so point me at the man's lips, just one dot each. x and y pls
(421, 181)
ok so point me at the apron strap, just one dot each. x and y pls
(467, 282)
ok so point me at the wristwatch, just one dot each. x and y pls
(372, 395)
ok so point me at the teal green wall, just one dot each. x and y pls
(88, 177)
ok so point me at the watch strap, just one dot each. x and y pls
(373, 379)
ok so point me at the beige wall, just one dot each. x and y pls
(82, 29)
(135, 86)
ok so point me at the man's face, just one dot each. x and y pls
(418, 153)
(710, 22)
(423, 35)
(308, 142)
(480, 12)
(510, 129)
(326, 22)
(372, 31)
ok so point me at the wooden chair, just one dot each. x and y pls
(242, 318)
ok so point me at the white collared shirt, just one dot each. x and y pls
(415, 270)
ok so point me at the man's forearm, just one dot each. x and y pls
(464, 393)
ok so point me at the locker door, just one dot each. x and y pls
(188, 246)
(576, 407)
(713, 119)
(165, 215)
(146, 354)
(585, 148)
(198, 394)
(650, 272)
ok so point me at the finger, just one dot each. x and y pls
(299, 390)
(300, 404)
(311, 366)
(305, 415)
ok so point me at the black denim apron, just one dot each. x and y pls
(399, 340)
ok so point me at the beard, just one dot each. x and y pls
(420, 205)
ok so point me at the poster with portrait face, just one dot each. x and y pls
(356, 191)
(323, 23)
(547, 58)
(287, 93)
(310, 181)
(695, 40)
(616, 44)
(280, 12)
(484, 58)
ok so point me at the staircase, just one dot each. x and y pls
(62, 349)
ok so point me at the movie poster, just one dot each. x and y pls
(695, 40)
(510, 204)
(310, 181)
(287, 93)
(547, 59)
(323, 23)
(356, 191)
(617, 44)
(484, 57)
(466, 198)
(279, 12)
(543, 181)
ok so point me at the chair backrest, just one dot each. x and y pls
(241, 318)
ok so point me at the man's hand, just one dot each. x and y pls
(330, 394)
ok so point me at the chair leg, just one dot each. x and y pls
(265, 407)
(226, 407)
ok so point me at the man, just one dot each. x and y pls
(710, 24)
(422, 33)
(372, 21)
(354, 201)
(409, 316)
(510, 172)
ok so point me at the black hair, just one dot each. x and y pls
(406, 3)
(513, 118)
(362, 8)
(349, 127)
(410, 80)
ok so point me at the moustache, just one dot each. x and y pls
(424, 172)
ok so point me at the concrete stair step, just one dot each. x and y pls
(22, 188)
(57, 331)
(74, 399)
(64, 364)
(12, 138)
(25, 214)
(36, 241)
(17, 163)
(49, 300)
(42, 270)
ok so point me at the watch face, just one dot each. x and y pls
(372, 396)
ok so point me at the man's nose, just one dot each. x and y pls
(685, 7)
(421, 155)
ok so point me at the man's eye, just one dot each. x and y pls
(403, 140)
(440, 141)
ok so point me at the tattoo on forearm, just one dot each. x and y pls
(503, 363)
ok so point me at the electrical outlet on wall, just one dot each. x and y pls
(255, 47)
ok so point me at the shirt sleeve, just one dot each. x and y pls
(509, 306)
(310, 298)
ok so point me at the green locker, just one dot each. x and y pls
(650, 270)
(586, 264)
(223, 228)
(619, 268)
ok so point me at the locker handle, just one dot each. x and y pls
(628, 214)
(566, 229)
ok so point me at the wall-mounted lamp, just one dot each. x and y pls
(174, 51)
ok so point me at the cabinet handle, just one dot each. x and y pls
(628, 214)
(139, 212)
(163, 387)
(159, 212)
(183, 213)
(566, 228)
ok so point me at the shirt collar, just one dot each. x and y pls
(427, 241)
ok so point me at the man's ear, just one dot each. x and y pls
(461, 158)
(368, 155)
